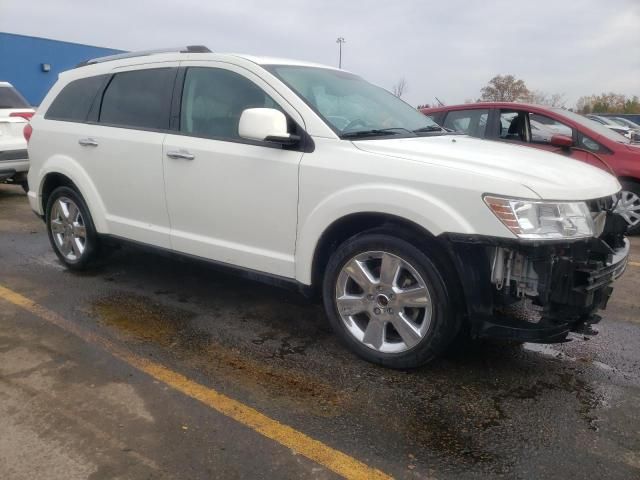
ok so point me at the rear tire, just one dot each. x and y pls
(70, 228)
(388, 301)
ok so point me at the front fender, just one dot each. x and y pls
(70, 168)
(418, 207)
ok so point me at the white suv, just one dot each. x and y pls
(309, 176)
(14, 114)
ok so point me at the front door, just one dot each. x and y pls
(536, 130)
(229, 199)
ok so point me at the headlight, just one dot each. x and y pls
(540, 220)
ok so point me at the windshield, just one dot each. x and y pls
(593, 125)
(625, 123)
(10, 98)
(352, 106)
(604, 120)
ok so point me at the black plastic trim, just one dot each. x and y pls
(4, 174)
(571, 289)
(243, 272)
(11, 155)
(144, 53)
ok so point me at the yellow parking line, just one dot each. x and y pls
(334, 460)
(634, 264)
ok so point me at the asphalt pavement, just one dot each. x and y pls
(152, 366)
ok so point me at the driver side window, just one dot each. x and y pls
(213, 100)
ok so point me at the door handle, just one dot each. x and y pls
(180, 155)
(88, 142)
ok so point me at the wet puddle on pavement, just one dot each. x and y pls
(171, 328)
(465, 407)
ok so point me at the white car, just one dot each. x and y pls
(623, 130)
(14, 114)
(308, 176)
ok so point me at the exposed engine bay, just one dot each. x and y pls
(540, 291)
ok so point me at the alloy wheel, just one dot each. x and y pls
(68, 229)
(629, 207)
(383, 301)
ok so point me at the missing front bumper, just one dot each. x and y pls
(536, 292)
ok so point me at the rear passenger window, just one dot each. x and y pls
(141, 98)
(471, 122)
(74, 101)
(213, 100)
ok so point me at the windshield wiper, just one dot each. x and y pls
(430, 128)
(375, 132)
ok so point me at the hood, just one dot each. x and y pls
(549, 175)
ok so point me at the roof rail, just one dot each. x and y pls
(144, 53)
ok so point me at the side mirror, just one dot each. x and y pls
(265, 125)
(562, 141)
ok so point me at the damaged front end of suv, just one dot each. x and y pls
(548, 281)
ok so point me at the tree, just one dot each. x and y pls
(608, 103)
(505, 88)
(551, 100)
(584, 105)
(399, 88)
(632, 105)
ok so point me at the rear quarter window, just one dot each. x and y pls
(74, 101)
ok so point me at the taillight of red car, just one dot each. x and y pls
(27, 131)
(26, 115)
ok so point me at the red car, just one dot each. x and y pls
(555, 130)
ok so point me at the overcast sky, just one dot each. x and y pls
(448, 49)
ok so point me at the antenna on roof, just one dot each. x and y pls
(144, 53)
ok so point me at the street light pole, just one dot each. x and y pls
(340, 41)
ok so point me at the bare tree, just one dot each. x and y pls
(551, 100)
(399, 88)
(505, 88)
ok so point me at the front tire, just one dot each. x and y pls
(629, 206)
(388, 301)
(70, 228)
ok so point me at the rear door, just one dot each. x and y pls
(121, 149)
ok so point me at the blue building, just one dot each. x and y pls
(32, 64)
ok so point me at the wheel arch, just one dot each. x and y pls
(61, 172)
(353, 224)
(629, 179)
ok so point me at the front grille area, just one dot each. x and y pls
(604, 204)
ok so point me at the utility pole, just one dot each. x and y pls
(340, 41)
